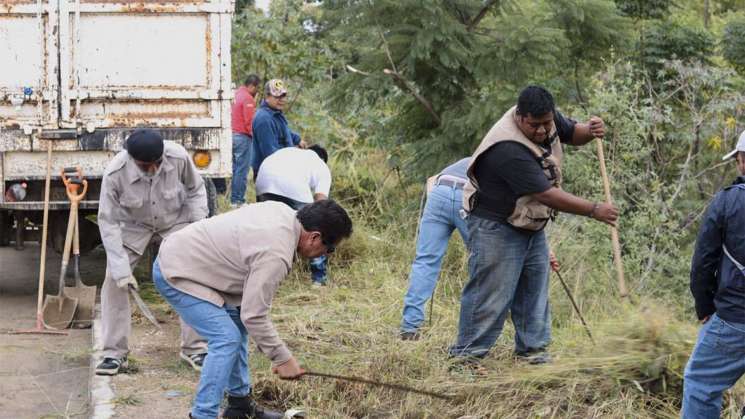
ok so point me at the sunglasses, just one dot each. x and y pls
(330, 248)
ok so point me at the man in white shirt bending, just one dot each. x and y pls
(297, 177)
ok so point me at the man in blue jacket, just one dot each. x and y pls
(270, 128)
(718, 288)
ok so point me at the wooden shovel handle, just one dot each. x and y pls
(614, 230)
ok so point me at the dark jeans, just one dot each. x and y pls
(319, 265)
(242, 146)
(508, 271)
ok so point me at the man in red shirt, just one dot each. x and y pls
(243, 110)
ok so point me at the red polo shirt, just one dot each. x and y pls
(243, 110)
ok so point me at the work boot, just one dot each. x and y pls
(534, 357)
(195, 360)
(410, 335)
(111, 366)
(246, 408)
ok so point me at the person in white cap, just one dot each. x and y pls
(718, 288)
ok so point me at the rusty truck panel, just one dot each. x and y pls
(80, 75)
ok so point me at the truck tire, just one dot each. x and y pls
(89, 234)
(6, 227)
(209, 186)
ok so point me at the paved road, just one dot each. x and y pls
(41, 376)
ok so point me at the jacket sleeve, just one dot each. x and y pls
(117, 259)
(266, 273)
(196, 193)
(707, 258)
(249, 110)
(295, 137)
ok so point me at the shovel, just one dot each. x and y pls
(59, 309)
(86, 295)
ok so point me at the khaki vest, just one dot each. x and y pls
(529, 214)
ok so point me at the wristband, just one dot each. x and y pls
(592, 212)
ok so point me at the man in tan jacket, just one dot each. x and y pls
(221, 274)
(148, 191)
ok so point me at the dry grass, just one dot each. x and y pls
(350, 328)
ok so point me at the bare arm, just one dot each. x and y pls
(566, 202)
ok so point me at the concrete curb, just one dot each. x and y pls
(101, 395)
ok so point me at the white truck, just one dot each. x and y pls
(80, 75)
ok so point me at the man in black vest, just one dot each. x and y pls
(515, 176)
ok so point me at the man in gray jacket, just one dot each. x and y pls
(148, 191)
(221, 274)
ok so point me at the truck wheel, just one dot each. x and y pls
(89, 234)
(6, 228)
(211, 196)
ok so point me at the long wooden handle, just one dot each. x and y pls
(45, 224)
(613, 230)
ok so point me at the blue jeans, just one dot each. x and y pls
(242, 153)
(226, 366)
(717, 362)
(508, 270)
(440, 217)
(319, 265)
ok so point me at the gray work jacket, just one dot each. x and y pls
(134, 207)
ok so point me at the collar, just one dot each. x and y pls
(134, 173)
(269, 108)
(739, 180)
(245, 89)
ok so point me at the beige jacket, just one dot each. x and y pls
(133, 207)
(529, 213)
(237, 258)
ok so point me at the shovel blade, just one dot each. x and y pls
(86, 296)
(58, 311)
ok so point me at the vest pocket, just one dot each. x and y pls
(530, 214)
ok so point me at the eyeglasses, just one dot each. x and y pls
(282, 96)
(330, 248)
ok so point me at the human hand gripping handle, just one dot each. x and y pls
(124, 283)
(288, 370)
(553, 261)
(597, 126)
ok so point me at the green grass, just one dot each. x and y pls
(350, 328)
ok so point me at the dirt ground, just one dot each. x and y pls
(158, 384)
(41, 376)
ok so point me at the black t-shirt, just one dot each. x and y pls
(509, 170)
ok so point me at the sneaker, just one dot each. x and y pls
(411, 335)
(316, 284)
(195, 360)
(234, 205)
(246, 408)
(111, 366)
(534, 357)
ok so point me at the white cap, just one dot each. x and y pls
(740, 147)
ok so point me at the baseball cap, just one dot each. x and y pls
(275, 87)
(740, 147)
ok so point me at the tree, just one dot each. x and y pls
(733, 47)
(453, 67)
